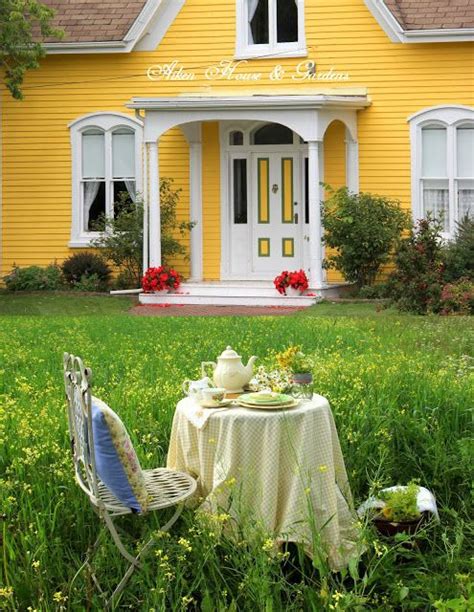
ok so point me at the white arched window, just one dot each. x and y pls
(442, 140)
(106, 162)
(270, 27)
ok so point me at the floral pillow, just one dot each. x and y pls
(116, 461)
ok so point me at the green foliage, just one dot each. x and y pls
(401, 391)
(122, 241)
(87, 269)
(458, 298)
(416, 284)
(34, 278)
(363, 228)
(22, 22)
(401, 504)
(459, 253)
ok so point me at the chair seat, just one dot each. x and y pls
(165, 488)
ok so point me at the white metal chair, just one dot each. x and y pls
(166, 488)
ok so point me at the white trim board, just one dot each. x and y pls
(398, 34)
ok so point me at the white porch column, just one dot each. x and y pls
(315, 229)
(154, 223)
(145, 174)
(195, 205)
(352, 164)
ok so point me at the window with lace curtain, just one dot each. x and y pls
(270, 27)
(106, 152)
(443, 165)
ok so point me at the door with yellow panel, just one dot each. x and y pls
(276, 216)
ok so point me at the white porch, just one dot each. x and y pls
(308, 117)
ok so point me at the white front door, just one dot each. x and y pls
(276, 214)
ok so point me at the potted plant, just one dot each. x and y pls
(291, 283)
(160, 280)
(398, 510)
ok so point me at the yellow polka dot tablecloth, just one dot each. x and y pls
(280, 469)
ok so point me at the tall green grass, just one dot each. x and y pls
(401, 389)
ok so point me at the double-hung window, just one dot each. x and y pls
(270, 27)
(106, 160)
(443, 165)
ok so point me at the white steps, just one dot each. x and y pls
(235, 293)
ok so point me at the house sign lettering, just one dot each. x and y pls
(230, 70)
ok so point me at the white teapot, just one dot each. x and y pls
(230, 372)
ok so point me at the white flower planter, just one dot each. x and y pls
(291, 292)
(162, 291)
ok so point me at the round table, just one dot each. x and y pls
(282, 470)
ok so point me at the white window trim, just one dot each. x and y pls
(244, 50)
(449, 117)
(107, 122)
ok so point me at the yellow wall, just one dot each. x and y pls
(400, 79)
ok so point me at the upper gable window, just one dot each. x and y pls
(270, 27)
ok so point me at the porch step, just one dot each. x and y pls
(235, 293)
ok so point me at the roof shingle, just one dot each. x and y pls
(93, 21)
(432, 14)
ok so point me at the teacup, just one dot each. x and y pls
(213, 395)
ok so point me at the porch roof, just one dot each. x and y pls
(289, 102)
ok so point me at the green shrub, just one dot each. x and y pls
(89, 282)
(122, 242)
(459, 253)
(363, 228)
(81, 266)
(373, 292)
(416, 284)
(34, 278)
(458, 297)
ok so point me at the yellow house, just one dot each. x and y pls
(248, 105)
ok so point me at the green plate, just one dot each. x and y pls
(253, 398)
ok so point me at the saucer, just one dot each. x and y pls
(223, 404)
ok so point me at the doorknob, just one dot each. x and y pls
(296, 218)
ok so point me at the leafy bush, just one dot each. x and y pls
(34, 278)
(363, 228)
(459, 253)
(458, 298)
(82, 266)
(90, 282)
(122, 242)
(373, 292)
(416, 284)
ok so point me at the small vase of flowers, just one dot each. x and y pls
(300, 367)
(160, 280)
(291, 283)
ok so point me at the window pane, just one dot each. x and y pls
(240, 190)
(123, 154)
(465, 152)
(258, 22)
(124, 196)
(434, 152)
(287, 21)
(94, 204)
(93, 155)
(273, 133)
(436, 201)
(465, 199)
(236, 138)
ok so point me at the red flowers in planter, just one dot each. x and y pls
(296, 280)
(158, 279)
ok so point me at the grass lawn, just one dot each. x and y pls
(401, 389)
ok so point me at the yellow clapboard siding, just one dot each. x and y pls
(400, 79)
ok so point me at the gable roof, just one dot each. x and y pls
(425, 20)
(92, 21)
(110, 26)
(432, 14)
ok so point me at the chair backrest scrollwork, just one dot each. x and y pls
(77, 382)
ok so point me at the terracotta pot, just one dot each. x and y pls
(391, 528)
